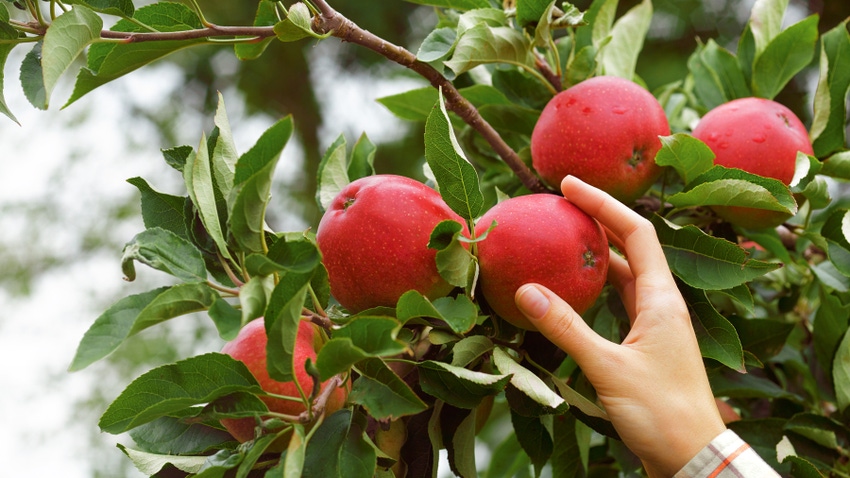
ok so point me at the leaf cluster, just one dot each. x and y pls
(771, 308)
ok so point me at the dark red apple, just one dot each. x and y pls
(759, 136)
(604, 131)
(540, 238)
(249, 347)
(374, 241)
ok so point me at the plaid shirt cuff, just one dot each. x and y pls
(727, 456)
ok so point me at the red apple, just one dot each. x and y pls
(759, 136)
(374, 241)
(540, 238)
(249, 347)
(604, 131)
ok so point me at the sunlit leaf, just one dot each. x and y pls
(720, 186)
(413, 105)
(297, 25)
(841, 374)
(454, 4)
(619, 56)
(830, 324)
(787, 54)
(362, 338)
(836, 231)
(282, 317)
(717, 75)
(484, 44)
(6, 33)
(173, 387)
(689, 156)
(458, 386)
(332, 174)
(266, 16)
(252, 185)
(456, 177)
(66, 38)
(766, 21)
(437, 45)
(529, 384)
(716, 336)
(32, 78)
(827, 130)
(151, 463)
(171, 435)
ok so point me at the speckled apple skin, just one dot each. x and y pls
(374, 241)
(540, 238)
(249, 347)
(759, 136)
(604, 131)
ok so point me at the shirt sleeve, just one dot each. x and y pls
(727, 456)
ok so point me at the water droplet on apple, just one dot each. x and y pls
(723, 145)
(587, 110)
(759, 138)
(619, 110)
(713, 136)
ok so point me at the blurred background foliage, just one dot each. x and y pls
(299, 79)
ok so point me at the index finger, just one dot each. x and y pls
(636, 234)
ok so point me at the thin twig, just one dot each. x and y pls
(339, 26)
(543, 67)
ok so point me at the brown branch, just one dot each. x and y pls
(332, 22)
(543, 67)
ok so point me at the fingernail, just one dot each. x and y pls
(533, 303)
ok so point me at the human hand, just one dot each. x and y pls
(653, 385)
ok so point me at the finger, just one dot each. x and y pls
(620, 276)
(636, 234)
(556, 320)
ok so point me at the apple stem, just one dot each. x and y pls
(226, 290)
(331, 21)
(543, 66)
(321, 320)
(228, 270)
(321, 400)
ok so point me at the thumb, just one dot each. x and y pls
(556, 320)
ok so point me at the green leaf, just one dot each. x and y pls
(785, 56)
(266, 16)
(173, 387)
(151, 463)
(830, 324)
(830, 111)
(223, 155)
(297, 25)
(706, 262)
(198, 176)
(339, 449)
(534, 438)
(227, 319)
(177, 156)
(5, 34)
(689, 156)
(458, 386)
(171, 435)
(529, 384)
(841, 374)
(332, 175)
(456, 177)
(728, 383)
(716, 336)
(252, 187)
(413, 105)
(764, 338)
(66, 38)
(437, 45)
(454, 4)
(484, 44)
(766, 22)
(293, 461)
(836, 232)
(382, 393)
(165, 251)
(135, 313)
(570, 447)
(717, 75)
(283, 315)
(362, 161)
(254, 296)
(469, 349)
(459, 441)
(120, 8)
(458, 312)
(837, 165)
(160, 210)
(32, 78)
(299, 256)
(619, 56)
(584, 409)
(530, 11)
(720, 186)
(361, 338)
(108, 61)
